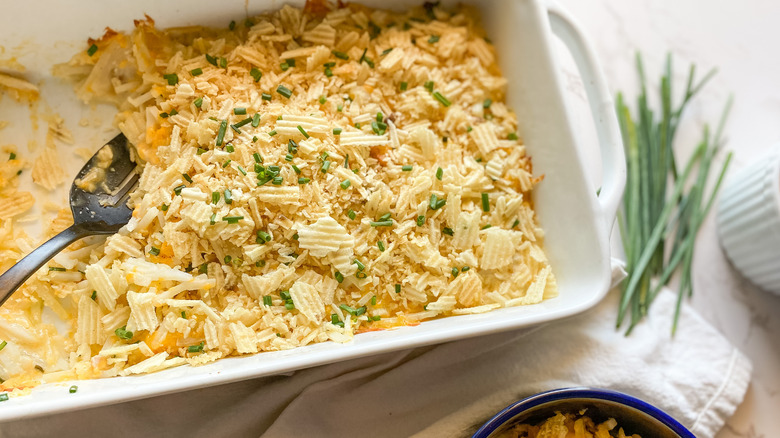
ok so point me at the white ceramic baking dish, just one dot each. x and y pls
(577, 221)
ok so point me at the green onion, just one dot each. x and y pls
(228, 196)
(322, 100)
(404, 86)
(439, 173)
(203, 268)
(351, 214)
(469, 129)
(420, 220)
(215, 197)
(4, 396)
(336, 131)
(386, 51)
(464, 269)
(334, 319)
(227, 163)
(288, 157)
(172, 78)
(211, 60)
(268, 300)
(221, 132)
(183, 315)
(352, 311)
(339, 107)
(443, 100)
(345, 184)
(486, 226)
(272, 133)
(223, 62)
(512, 136)
(11, 156)
(328, 72)
(428, 86)
(303, 180)
(284, 91)
(257, 157)
(154, 251)
(196, 71)
(303, 131)
(277, 181)
(213, 219)
(325, 166)
(177, 190)
(385, 217)
(196, 348)
(56, 269)
(198, 102)
(73, 389)
(359, 264)
(380, 245)
(338, 276)
(284, 66)
(232, 25)
(263, 237)
(373, 300)
(486, 103)
(435, 203)
(239, 111)
(241, 169)
(379, 128)
(340, 55)
(407, 168)
(2, 345)
(122, 333)
(92, 49)
(266, 96)
(397, 288)
(232, 219)
(228, 259)
(485, 202)
(448, 231)
(433, 39)
(187, 178)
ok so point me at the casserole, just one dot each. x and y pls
(576, 221)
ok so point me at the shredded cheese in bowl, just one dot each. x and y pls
(309, 175)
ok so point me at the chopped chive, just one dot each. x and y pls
(436, 203)
(397, 288)
(351, 214)
(379, 128)
(486, 103)
(433, 39)
(340, 55)
(239, 111)
(289, 305)
(455, 272)
(303, 180)
(122, 333)
(263, 237)
(359, 264)
(515, 223)
(195, 348)
(256, 74)
(228, 197)
(11, 156)
(277, 181)
(428, 86)
(373, 300)
(407, 168)
(232, 219)
(385, 217)
(339, 107)
(172, 78)
(464, 269)
(254, 138)
(272, 133)
(288, 157)
(512, 136)
(485, 202)
(439, 173)
(329, 64)
(486, 226)
(296, 169)
(443, 100)
(154, 251)
(420, 220)
(448, 231)
(226, 163)
(404, 86)
(254, 119)
(223, 62)
(469, 128)
(203, 268)
(284, 66)
(328, 72)
(386, 51)
(183, 314)
(211, 60)
(164, 207)
(196, 71)
(187, 178)
(284, 91)
(198, 102)
(303, 131)
(92, 49)
(339, 277)
(325, 166)
(386, 223)
(73, 389)
(232, 25)
(57, 269)
(221, 132)
(336, 131)
(257, 157)
(213, 219)
(290, 62)
(214, 197)
(4, 396)
(345, 184)
(322, 100)
(268, 300)
(380, 245)
(228, 259)
(266, 96)
(177, 190)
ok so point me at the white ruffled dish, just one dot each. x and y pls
(749, 221)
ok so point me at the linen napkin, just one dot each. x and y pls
(449, 390)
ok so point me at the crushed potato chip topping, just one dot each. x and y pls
(579, 425)
(277, 155)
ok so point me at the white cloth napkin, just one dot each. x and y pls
(449, 390)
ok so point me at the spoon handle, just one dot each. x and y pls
(21, 271)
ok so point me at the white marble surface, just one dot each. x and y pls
(738, 38)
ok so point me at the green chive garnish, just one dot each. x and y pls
(262, 237)
(213, 219)
(336, 131)
(485, 202)
(268, 300)
(187, 178)
(303, 131)
(436, 203)
(428, 86)
(177, 190)
(56, 269)
(455, 272)
(486, 103)
(239, 111)
(172, 78)
(512, 136)
(272, 133)
(303, 180)
(443, 100)
(232, 219)
(284, 91)
(351, 214)
(404, 86)
(345, 184)
(122, 333)
(433, 39)
(198, 102)
(195, 348)
(221, 132)
(340, 55)
(154, 251)
(228, 197)
(92, 49)
(380, 245)
(266, 96)
(256, 74)
(386, 223)
(325, 166)
(397, 288)
(420, 220)
(448, 231)
(407, 168)
(439, 173)
(2, 345)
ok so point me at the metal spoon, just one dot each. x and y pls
(101, 209)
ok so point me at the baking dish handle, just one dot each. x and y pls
(613, 160)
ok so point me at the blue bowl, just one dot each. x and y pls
(632, 414)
